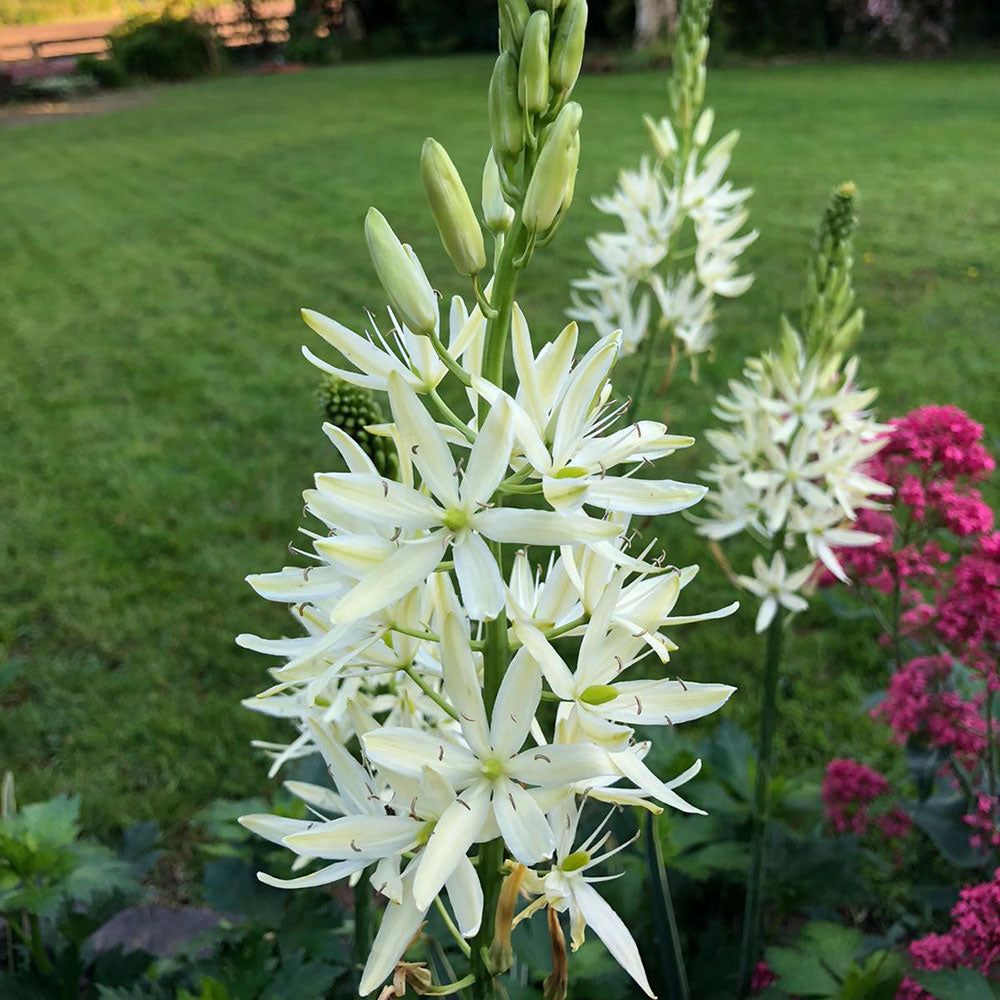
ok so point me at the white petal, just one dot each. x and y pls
(581, 395)
(409, 751)
(273, 828)
(560, 764)
(479, 577)
(643, 496)
(611, 929)
(542, 527)
(636, 771)
(400, 922)
(665, 702)
(454, 833)
(354, 553)
(525, 829)
(461, 684)
(422, 439)
(552, 664)
(409, 566)
(379, 501)
(488, 459)
(322, 876)
(360, 352)
(516, 703)
(466, 897)
(356, 837)
(765, 614)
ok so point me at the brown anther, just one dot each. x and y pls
(682, 684)
(513, 805)
(464, 803)
(413, 450)
(541, 756)
(385, 488)
(440, 753)
(355, 848)
(621, 666)
(669, 720)
(638, 705)
(396, 534)
(413, 808)
(466, 717)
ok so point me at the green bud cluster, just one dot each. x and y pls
(352, 409)
(690, 50)
(541, 52)
(830, 322)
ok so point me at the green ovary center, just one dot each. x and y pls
(570, 472)
(493, 769)
(425, 832)
(455, 520)
(598, 694)
(575, 861)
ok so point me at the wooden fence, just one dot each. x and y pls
(45, 42)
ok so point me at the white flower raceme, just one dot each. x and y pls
(392, 653)
(789, 467)
(422, 668)
(685, 185)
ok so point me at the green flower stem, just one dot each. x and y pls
(647, 363)
(38, 953)
(430, 692)
(675, 981)
(496, 656)
(452, 929)
(449, 414)
(765, 752)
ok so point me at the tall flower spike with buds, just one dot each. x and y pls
(790, 468)
(646, 280)
(790, 471)
(426, 673)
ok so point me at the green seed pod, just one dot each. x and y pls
(506, 124)
(554, 170)
(567, 49)
(497, 214)
(514, 16)
(533, 72)
(453, 212)
(352, 409)
(401, 276)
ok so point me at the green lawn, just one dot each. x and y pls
(158, 422)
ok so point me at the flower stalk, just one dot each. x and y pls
(753, 905)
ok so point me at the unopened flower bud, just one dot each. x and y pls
(453, 212)
(661, 133)
(567, 49)
(533, 68)
(506, 122)
(554, 172)
(514, 16)
(401, 276)
(501, 951)
(703, 130)
(497, 214)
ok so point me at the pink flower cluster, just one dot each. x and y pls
(919, 704)
(973, 940)
(943, 441)
(850, 790)
(761, 977)
(985, 821)
(969, 612)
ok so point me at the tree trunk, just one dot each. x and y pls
(653, 20)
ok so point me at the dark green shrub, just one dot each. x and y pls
(164, 47)
(106, 73)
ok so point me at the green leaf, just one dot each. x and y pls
(940, 817)
(955, 984)
(801, 973)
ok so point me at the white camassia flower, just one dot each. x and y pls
(568, 887)
(775, 587)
